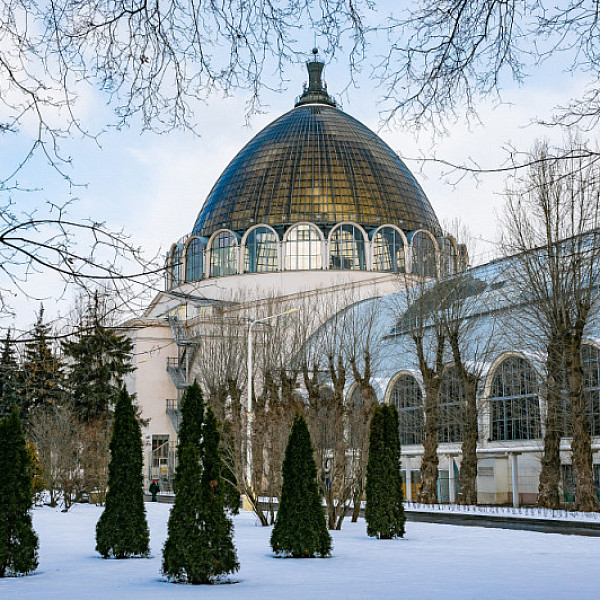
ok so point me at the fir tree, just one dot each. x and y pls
(300, 529)
(18, 541)
(9, 377)
(99, 359)
(42, 371)
(122, 530)
(385, 510)
(199, 546)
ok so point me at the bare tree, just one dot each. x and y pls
(153, 61)
(421, 319)
(471, 343)
(443, 56)
(551, 221)
(57, 436)
(80, 254)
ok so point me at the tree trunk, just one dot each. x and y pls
(429, 464)
(467, 478)
(581, 446)
(549, 486)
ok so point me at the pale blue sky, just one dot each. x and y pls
(153, 186)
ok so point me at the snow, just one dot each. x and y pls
(507, 512)
(432, 561)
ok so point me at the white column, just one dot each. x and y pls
(408, 479)
(514, 467)
(451, 483)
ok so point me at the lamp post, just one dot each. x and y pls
(250, 416)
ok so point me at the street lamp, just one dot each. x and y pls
(250, 416)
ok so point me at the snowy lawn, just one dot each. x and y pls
(432, 561)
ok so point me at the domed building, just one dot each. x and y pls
(315, 190)
(315, 209)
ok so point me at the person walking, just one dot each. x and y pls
(154, 489)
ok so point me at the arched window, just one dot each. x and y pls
(452, 407)
(590, 358)
(388, 251)
(194, 260)
(423, 255)
(175, 266)
(407, 397)
(260, 251)
(303, 248)
(347, 248)
(223, 255)
(514, 401)
(449, 257)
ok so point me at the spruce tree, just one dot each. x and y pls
(42, 371)
(199, 546)
(122, 530)
(99, 359)
(9, 377)
(300, 529)
(385, 509)
(18, 540)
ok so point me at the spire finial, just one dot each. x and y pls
(316, 92)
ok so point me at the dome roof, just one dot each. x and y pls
(318, 164)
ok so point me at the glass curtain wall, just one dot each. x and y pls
(407, 397)
(590, 358)
(449, 258)
(176, 267)
(224, 255)
(452, 407)
(194, 260)
(423, 255)
(347, 248)
(388, 251)
(260, 252)
(303, 248)
(514, 401)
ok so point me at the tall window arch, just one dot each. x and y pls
(223, 254)
(514, 401)
(260, 251)
(175, 266)
(448, 257)
(407, 397)
(303, 248)
(194, 263)
(590, 359)
(423, 255)
(347, 248)
(388, 251)
(452, 407)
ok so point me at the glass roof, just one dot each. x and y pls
(318, 164)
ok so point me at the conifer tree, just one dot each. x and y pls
(42, 371)
(122, 530)
(199, 546)
(9, 377)
(99, 359)
(385, 510)
(18, 540)
(300, 529)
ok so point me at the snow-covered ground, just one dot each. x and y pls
(432, 561)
